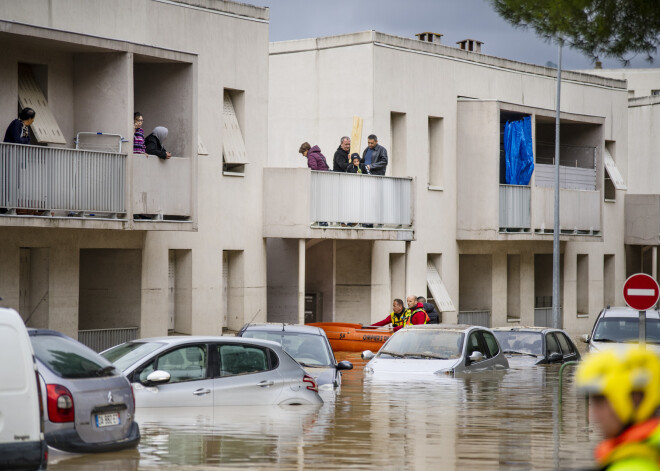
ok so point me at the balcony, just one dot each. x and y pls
(304, 204)
(59, 187)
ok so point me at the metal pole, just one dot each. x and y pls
(555, 238)
(301, 281)
(642, 329)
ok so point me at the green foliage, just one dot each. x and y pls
(598, 28)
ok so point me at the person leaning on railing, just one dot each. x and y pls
(18, 131)
(154, 143)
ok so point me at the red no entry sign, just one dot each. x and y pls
(640, 291)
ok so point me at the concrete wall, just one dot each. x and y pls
(353, 275)
(640, 81)
(644, 145)
(320, 276)
(282, 280)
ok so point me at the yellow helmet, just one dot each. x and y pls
(616, 374)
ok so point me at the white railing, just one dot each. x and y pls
(363, 199)
(102, 339)
(48, 178)
(515, 202)
(570, 178)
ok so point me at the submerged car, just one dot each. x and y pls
(308, 345)
(89, 405)
(617, 325)
(536, 345)
(208, 371)
(438, 348)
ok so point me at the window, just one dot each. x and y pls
(30, 94)
(655, 92)
(436, 151)
(566, 347)
(68, 358)
(187, 363)
(436, 286)
(612, 177)
(397, 155)
(551, 344)
(609, 292)
(242, 359)
(582, 285)
(473, 344)
(493, 347)
(234, 154)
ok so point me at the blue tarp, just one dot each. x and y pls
(518, 151)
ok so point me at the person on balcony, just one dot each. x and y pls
(374, 156)
(340, 162)
(138, 134)
(356, 166)
(18, 131)
(154, 143)
(315, 159)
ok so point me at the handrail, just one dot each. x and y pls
(561, 377)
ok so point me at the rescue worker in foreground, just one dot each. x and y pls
(624, 394)
(400, 318)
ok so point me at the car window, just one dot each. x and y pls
(626, 329)
(411, 343)
(242, 359)
(516, 341)
(551, 344)
(473, 344)
(124, 355)
(187, 363)
(491, 342)
(70, 359)
(565, 345)
(311, 349)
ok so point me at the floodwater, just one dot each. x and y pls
(505, 421)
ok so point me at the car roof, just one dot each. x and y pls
(445, 327)
(278, 326)
(628, 312)
(183, 339)
(32, 332)
(539, 329)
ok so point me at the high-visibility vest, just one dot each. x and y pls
(399, 320)
(409, 318)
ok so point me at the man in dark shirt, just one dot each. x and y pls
(340, 162)
(374, 156)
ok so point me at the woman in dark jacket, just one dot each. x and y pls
(154, 143)
(18, 131)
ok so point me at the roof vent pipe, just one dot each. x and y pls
(471, 45)
(429, 37)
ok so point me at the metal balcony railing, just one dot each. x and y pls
(480, 318)
(102, 339)
(515, 203)
(577, 166)
(54, 179)
(363, 199)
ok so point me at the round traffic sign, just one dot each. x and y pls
(640, 291)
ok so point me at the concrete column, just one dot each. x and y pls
(654, 262)
(526, 288)
(499, 290)
(9, 276)
(408, 263)
(380, 282)
(154, 312)
(301, 281)
(64, 289)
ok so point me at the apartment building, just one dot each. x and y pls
(101, 243)
(446, 224)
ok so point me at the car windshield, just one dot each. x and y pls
(432, 344)
(626, 329)
(124, 355)
(70, 359)
(307, 349)
(513, 341)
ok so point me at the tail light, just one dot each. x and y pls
(60, 404)
(311, 383)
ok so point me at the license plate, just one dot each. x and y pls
(105, 420)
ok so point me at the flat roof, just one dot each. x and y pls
(440, 51)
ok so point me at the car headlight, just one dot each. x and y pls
(447, 372)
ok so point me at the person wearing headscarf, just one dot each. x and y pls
(154, 143)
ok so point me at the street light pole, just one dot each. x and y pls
(555, 238)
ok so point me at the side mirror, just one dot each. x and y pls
(345, 365)
(158, 377)
(554, 357)
(367, 355)
(585, 338)
(476, 356)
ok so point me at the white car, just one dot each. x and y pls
(618, 325)
(439, 349)
(22, 444)
(212, 371)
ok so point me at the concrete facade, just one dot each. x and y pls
(199, 255)
(439, 112)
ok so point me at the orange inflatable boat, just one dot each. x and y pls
(346, 337)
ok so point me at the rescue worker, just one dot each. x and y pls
(397, 317)
(416, 309)
(624, 394)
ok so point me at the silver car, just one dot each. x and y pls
(88, 403)
(439, 349)
(617, 325)
(212, 371)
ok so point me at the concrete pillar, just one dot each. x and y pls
(301, 281)
(499, 290)
(380, 282)
(408, 263)
(9, 276)
(526, 288)
(154, 315)
(63, 292)
(654, 262)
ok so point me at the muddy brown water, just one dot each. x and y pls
(500, 421)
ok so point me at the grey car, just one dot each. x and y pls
(437, 349)
(212, 371)
(617, 325)
(536, 345)
(88, 404)
(307, 344)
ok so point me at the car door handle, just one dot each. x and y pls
(265, 384)
(201, 392)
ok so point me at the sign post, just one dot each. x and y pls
(641, 291)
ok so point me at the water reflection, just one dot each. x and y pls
(501, 420)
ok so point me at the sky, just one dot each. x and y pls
(455, 19)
